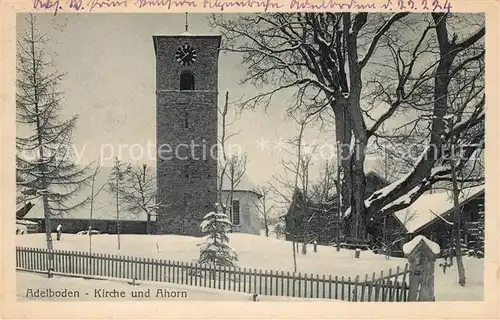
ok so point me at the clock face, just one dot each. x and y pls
(185, 55)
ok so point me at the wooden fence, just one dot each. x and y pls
(262, 282)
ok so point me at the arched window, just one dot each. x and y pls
(186, 81)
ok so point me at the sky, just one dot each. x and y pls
(109, 66)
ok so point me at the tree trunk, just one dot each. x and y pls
(43, 167)
(48, 234)
(148, 223)
(91, 213)
(231, 213)
(117, 210)
(339, 210)
(456, 224)
(358, 191)
(353, 183)
(343, 134)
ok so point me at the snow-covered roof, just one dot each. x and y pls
(245, 185)
(429, 207)
(25, 222)
(409, 246)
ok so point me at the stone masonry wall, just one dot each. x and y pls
(186, 136)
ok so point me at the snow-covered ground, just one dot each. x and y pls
(446, 286)
(253, 252)
(269, 254)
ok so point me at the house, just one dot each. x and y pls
(431, 215)
(320, 219)
(244, 211)
(310, 221)
(24, 226)
(104, 218)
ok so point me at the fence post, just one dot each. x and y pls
(421, 254)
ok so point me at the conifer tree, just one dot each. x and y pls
(44, 167)
(215, 249)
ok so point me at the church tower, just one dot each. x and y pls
(186, 130)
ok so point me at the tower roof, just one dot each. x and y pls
(185, 35)
(189, 34)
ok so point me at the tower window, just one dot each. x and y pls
(186, 81)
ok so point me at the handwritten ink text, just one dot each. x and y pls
(76, 5)
(257, 5)
(166, 3)
(106, 3)
(253, 4)
(330, 4)
(47, 4)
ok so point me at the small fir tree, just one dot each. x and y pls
(216, 249)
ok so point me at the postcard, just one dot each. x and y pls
(249, 159)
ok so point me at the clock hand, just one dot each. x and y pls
(182, 59)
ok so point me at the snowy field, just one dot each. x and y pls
(253, 252)
(269, 254)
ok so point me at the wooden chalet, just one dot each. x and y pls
(320, 219)
(431, 215)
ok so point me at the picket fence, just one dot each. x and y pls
(277, 283)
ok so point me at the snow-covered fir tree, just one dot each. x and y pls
(215, 248)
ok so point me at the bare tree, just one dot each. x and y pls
(336, 60)
(324, 188)
(279, 230)
(456, 223)
(267, 216)
(138, 192)
(222, 162)
(389, 167)
(323, 194)
(235, 170)
(471, 173)
(115, 187)
(231, 167)
(93, 195)
(292, 188)
(44, 167)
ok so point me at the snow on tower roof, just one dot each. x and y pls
(188, 34)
